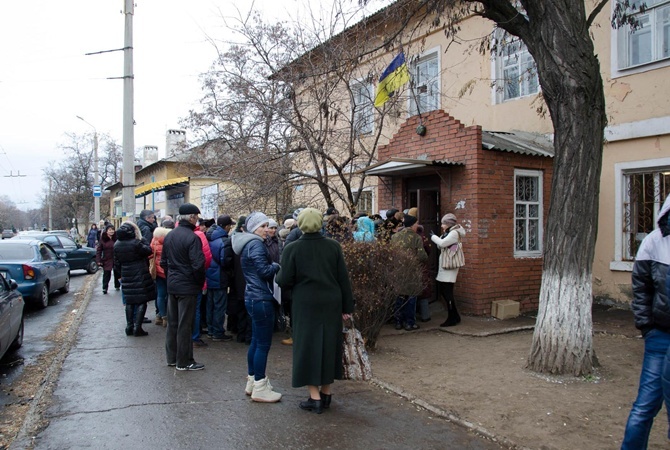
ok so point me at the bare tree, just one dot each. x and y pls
(288, 101)
(72, 179)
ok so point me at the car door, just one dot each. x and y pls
(76, 258)
(51, 260)
(6, 331)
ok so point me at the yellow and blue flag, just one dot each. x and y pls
(395, 75)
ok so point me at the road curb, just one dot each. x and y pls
(31, 423)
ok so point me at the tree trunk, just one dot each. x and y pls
(573, 90)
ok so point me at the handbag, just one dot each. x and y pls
(452, 257)
(355, 359)
(281, 319)
(152, 266)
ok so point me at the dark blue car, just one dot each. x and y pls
(77, 257)
(35, 267)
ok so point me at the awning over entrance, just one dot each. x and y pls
(405, 167)
(162, 185)
(520, 142)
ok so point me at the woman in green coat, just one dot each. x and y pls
(313, 267)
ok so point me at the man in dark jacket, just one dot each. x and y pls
(219, 277)
(147, 224)
(651, 307)
(408, 239)
(183, 262)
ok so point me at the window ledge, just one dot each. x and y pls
(528, 255)
(621, 266)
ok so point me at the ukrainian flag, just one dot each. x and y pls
(395, 75)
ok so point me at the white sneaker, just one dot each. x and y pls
(263, 392)
(250, 385)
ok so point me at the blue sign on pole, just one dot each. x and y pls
(97, 191)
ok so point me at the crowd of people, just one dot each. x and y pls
(229, 280)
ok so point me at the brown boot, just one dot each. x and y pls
(288, 341)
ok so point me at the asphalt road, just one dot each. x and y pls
(116, 392)
(39, 324)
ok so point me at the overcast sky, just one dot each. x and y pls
(46, 80)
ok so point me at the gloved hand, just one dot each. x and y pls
(431, 233)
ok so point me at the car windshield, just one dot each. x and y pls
(16, 251)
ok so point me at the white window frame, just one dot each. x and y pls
(362, 106)
(526, 78)
(621, 170)
(433, 86)
(622, 38)
(540, 218)
(367, 191)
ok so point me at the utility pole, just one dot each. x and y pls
(128, 192)
(96, 181)
(49, 203)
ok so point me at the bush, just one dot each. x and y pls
(379, 273)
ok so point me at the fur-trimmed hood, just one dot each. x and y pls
(127, 231)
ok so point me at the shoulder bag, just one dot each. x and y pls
(452, 257)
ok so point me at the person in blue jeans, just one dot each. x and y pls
(218, 277)
(651, 309)
(259, 272)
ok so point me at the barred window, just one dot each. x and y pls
(527, 213)
(644, 194)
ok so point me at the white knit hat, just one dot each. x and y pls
(255, 220)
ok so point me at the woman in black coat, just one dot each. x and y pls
(131, 258)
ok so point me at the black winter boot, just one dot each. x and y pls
(129, 320)
(139, 319)
(453, 318)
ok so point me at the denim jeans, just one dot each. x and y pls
(650, 393)
(217, 300)
(262, 325)
(161, 296)
(405, 310)
(196, 320)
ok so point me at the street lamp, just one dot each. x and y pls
(96, 198)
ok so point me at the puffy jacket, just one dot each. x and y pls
(257, 267)
(104, 252)
(219, 273)
(157, 247)
(205, 251)
(147, 229)
(131, 257)
(651, 305)
(183, 260)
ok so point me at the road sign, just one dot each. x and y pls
(97, 191)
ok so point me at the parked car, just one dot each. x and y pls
(11, 316)
(35, 267)
(7, 234)
(77, 257)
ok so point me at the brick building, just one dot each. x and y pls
(497, 184)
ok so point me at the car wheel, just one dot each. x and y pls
(66, 288)
(43, 299)
(18, 340)
(92, 266)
